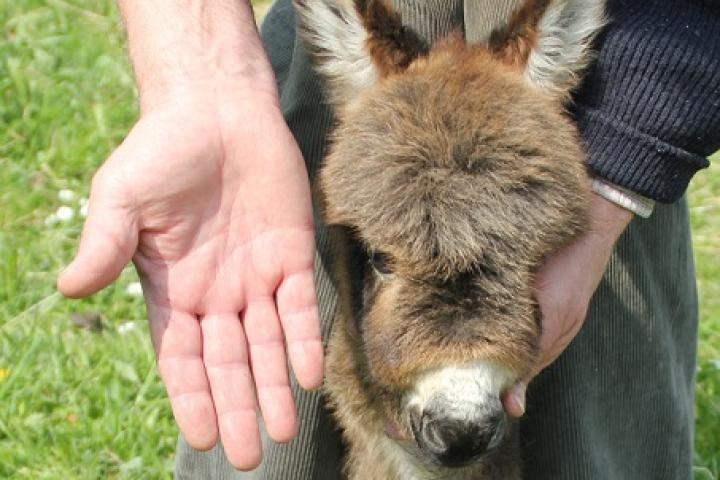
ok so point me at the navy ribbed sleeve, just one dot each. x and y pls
(649, 110)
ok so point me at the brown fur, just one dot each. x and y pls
(467, 194)
(465, 178)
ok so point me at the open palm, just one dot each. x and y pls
(213, 206)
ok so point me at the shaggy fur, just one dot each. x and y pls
(450, 177)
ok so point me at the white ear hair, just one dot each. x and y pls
(562, 51)
(336, 39)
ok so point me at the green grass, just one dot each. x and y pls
(74, 404)
(78, 404)
(705, 217)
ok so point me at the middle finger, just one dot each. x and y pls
(226, 362)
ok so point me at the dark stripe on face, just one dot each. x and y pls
(357, 267)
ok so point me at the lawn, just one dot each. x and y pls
(79, 395)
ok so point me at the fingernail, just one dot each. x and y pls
(519, 396)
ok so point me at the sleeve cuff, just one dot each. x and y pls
(633, 160)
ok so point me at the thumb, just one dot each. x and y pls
(514, 398)
(108, 242)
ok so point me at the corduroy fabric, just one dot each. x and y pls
(483, 19)
(616, 405)
(431, 19)
(649, 110)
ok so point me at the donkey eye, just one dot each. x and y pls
(380, 262)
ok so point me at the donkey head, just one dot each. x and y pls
(453, 172)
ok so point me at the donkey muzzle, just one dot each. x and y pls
(455, 442)
(455, 412)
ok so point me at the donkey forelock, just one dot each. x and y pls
(441, 166)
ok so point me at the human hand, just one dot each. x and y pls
(212, 203)
(564, 286)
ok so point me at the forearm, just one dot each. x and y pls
(180, 44)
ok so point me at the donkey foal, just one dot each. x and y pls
(453, 172)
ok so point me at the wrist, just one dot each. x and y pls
(229, 104)
(194, 46)
(227, 86)
(607, 219)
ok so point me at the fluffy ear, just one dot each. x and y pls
(353, 43)
(550, 40)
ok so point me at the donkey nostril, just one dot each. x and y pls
(453, 442)
(437, 435)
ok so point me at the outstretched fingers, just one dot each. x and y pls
(179, 347)
(231, 383)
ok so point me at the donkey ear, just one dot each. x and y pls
(550, 40)
(353, 43)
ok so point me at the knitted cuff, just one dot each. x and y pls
(631, 159)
